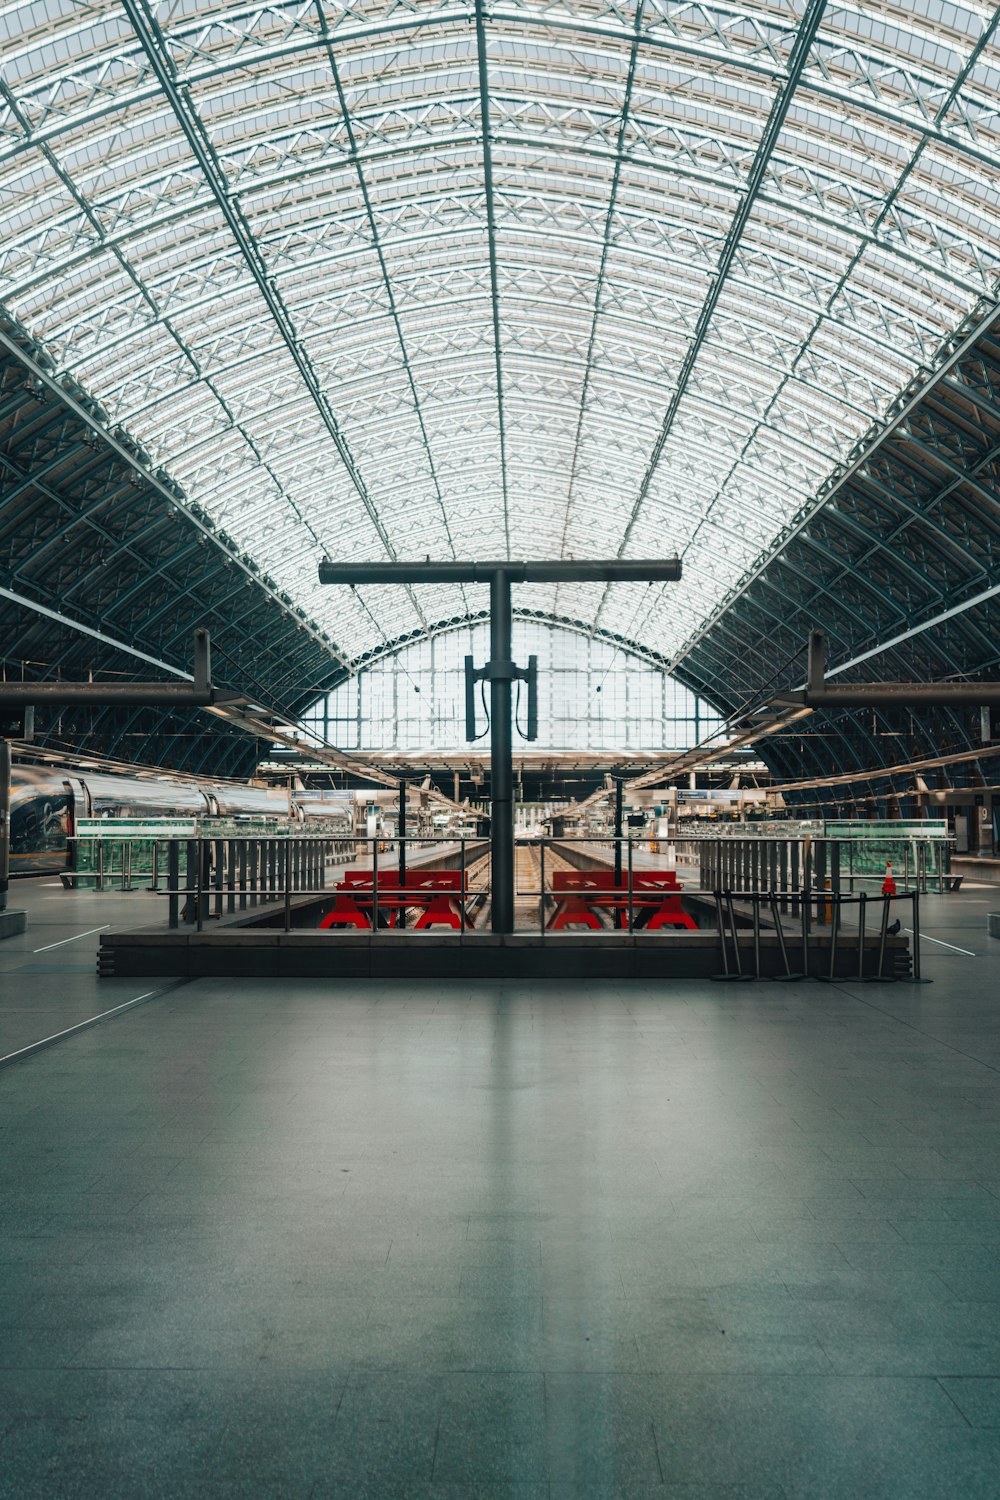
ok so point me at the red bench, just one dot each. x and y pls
(580, 894)
(438, 893)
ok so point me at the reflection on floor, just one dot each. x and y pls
(564, 1241)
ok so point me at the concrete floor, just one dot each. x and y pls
(718, 1243)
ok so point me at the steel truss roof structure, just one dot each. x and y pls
(389, 279)
(404, 279)
(901, 567)
(102, 572)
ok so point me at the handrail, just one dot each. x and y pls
(791, 889)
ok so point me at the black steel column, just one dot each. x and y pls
(5, 761)
(500, 575)
(619, 809)
(402, 836)
(501, 754)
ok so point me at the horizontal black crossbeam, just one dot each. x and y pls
(571, 570)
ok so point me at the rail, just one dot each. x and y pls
(127, 864)
(787, 902)
(227, 877)
(841, 859)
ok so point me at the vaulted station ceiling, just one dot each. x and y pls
(576, 278)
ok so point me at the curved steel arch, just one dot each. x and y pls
(165, 203)
(926, 538)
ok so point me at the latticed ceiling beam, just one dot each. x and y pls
(118, 448)
(155, 47)
(804, 38)
(981, 324)
(482, 65)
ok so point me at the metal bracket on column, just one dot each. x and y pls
(820, 693)
(198, 693)
(501, 671)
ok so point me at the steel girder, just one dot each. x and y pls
(910, 534)
(81, 534)
(502, 257)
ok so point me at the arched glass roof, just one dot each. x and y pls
(432, 278)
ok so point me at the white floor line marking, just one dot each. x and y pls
(89, 933)
(925, 939)
(58, 1036)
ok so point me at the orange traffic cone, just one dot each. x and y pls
(888, 884)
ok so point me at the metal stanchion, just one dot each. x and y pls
(804, 920)
(782, 945)
(206, 880)
(199, 887)
(461, 886)
(541, 885)
(917, 977)
(231, 877)
(253, 846)
(288, 885)
(722, 937)
(862, 903)
(883, 938)
(755, 909)
(737, 959)
(631, 903)
(374, 884)
(829, 976)
(173, 881)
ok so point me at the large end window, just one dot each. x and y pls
(591, 696)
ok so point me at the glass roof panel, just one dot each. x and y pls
(706, 247)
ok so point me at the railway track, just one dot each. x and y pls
(528, 882)
(527, 886)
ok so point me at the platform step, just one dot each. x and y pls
(105, 963)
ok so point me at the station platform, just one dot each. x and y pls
(984, 868)
(555, 1239)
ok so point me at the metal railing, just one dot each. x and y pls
(129, 864)
(738, 857)
(211, 878)
(743, 960)
(792, 907)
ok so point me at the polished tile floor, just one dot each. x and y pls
(303, 1240)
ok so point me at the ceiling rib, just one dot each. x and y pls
(491, 237)
(114, 248)
(155, 47)
(66, 622)
(384, 271)
(844, 278)
(769, 139)
(961, 345)
(588, 364)
(887, 164)
(121, 451)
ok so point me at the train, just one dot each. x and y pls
(47, 800)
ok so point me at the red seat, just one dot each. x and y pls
(580, 894)
(437, 892)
